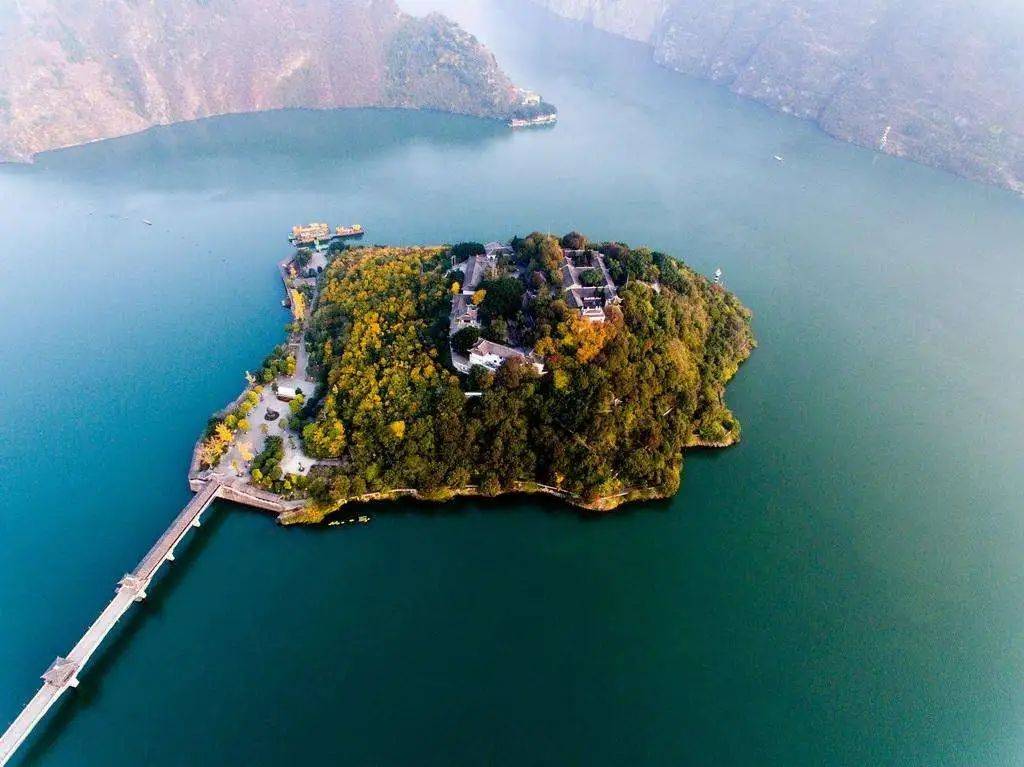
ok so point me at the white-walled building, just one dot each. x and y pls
(492, 356)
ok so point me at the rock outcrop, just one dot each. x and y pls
(73, 72)
(937, 81)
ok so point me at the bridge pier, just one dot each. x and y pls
(133, 585)
(63, 672)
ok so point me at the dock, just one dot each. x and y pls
(63, 673)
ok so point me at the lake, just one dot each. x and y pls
(843, 588)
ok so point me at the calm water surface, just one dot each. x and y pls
(844, 588)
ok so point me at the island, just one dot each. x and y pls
(543, 365)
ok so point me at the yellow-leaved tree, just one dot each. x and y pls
(298, 305)
(215, 445)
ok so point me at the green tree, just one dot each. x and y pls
(463, 250)
(504, 297)
(465, 339)
(497, 330)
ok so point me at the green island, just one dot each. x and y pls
(541, 365)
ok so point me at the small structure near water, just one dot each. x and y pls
(287, 393)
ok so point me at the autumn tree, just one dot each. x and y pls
(618, 403)
(574, 241)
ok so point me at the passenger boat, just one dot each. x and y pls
(356, 230)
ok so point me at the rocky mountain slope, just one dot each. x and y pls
(937, 81)
(73, 71)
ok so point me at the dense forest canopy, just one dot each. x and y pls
(606, 421)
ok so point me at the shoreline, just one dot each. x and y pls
(308, 514)
(28, 158)
(304, 510)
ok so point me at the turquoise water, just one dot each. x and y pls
(844, 588)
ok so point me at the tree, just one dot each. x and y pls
(497, 330)
(266, 466)
(574, 241)
(591, 278)
(625, 263)
(465, 339)
(464, 250)
(324, 438)
(611, 416)
(215, 445)
(502, 297)
(298, 305)
(303, 257)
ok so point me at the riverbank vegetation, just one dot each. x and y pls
(279, 362)
(222, 429)
(607, 421)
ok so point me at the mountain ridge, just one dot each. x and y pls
(72, 72)
(938, 83)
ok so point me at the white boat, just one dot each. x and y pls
(779, 158)
(147, 222)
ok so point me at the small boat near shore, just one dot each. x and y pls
(362, 519)
(529, 122)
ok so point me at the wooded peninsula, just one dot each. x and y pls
(544, 365)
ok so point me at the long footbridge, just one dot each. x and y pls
(63, 672)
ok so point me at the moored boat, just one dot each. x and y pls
(356, 230)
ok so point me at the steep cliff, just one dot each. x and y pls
(73, 71)
(937, 81)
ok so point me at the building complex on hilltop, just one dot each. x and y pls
(586, 285)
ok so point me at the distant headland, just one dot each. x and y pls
(70, 75)
(939, 83)
(538, 365)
